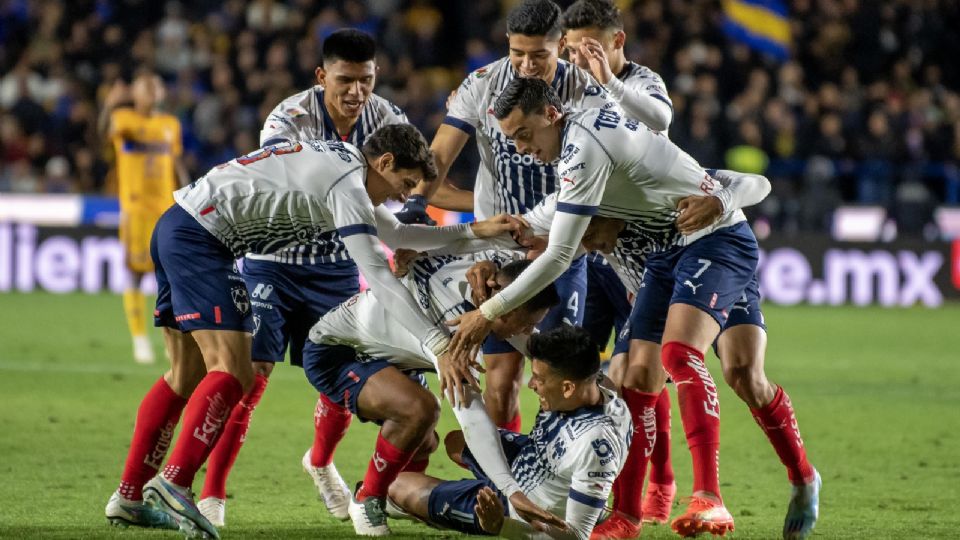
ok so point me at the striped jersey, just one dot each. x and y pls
(574, 456)
(283, 195)
(616, 167)
(304, 116)
(508, 181)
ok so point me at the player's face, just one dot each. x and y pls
(147, 91)
(386, 182)
(608, 40)
(601, 234)
(534, 133)
(550, 387)
(517, 322)
(534, 56)
(347, 85)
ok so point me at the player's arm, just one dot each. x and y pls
(118, 94)
(650, 105)
(739, 191)
(420, 238)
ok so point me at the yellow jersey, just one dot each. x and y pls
(145, 148)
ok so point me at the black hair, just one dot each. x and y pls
(545, 299)
(602, 14)
(409, 148)
(568, 350)
(531, 94)
(349, 45)
(535, 18)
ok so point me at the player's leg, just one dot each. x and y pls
(661, 487)
(135, 232)
(408, 413)
(741, 349)
(502, 383)
(410, 493)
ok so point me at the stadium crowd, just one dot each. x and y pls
(866, 111)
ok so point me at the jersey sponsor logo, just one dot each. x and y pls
(606, 119)
(568, 152)
(217, 411)
(577, 167)
(592, 90)
(711, 405)
(603, 449)
(262, 291)
(240, 299)
(601, 474)
(527, 160)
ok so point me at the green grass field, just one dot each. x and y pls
(877, 394)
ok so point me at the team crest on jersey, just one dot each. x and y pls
(480, 73)
(592, 90)
(240, 299)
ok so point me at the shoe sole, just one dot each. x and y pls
(655, 520)
(687, 527)
(342, 515)
(188, 525)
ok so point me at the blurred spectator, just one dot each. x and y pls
(866, 110)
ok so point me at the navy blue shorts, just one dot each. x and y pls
(572, 289)
(608, 306)
(712, 274)
(339, 373)
(288, 299)
(451, 504)
(198, 285)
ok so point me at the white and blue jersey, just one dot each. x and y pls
(508, 181)
(304, 116)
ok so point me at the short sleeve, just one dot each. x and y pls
(279, 126)
(541, 216)
(463, 112)
(584, 168)
(350, 206)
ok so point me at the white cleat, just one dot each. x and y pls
(370, 516)
(143, 350)
(125, 513)
(214, 509)
(331, 488)
(804, 510)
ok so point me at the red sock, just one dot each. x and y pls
(661, 470)
(779, 422)
(628, 487)
(203, 421)
(386, 464)
(515, 424)
(330, 422)
(419, 465)
(699, 410)
(157, 418)
(228, 447)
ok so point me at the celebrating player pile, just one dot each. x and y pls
(579, 152)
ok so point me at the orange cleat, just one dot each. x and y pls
(617, 526)
(657, 502)
(703, 514)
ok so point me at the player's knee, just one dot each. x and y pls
(429, 446)
(453, 444)
(748, 382)
(421, 411)
(262, 368)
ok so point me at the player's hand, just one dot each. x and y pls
(533, 513)
(697, 212)
(402, 258)
(489, 510)
(118, 93)
(472, 329)
(481, 276)
(414, 211)
(592, 51)
(499, 224)
(456, 371)
(450, 99)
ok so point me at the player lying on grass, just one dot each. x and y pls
(357, 355)
(614, 166)
(259, 203)
(566, 464)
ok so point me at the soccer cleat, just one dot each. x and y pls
(214, 509)
(142, 350)
(177, 502)
(703, 514)
(618, 525)
(126, 513)
(804, 510)
(331, 488)
(657, 502)
(369, 516)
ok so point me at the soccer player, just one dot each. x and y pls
(358, 350)
(260, 203)
(594, 40)
(566, 464)
(147, 147)
(291, 289)
(615, 167)
(507, 180)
